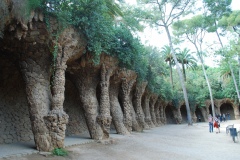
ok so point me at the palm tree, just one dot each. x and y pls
(167, 54)
(187, 60)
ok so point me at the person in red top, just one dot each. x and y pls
(216, 124)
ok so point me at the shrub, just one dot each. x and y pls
(59, 152)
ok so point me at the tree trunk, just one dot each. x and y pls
(234, 80)
(116, 110)
(171, 75)
(146, 108)
(184, 72)
(153, 101)
(180, 77)
(238, 69)
(209, 86)
(137, 104)
(230, 66)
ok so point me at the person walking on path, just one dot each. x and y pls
(228, 116)
(217, 124)
(224, 117)
(210, 121)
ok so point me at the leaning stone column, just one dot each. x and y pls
(236, 111)
(116, 110)
(153, 101)
(177, 115)
(135, 125)
(85, 75)
(126, 89)
(204, 113)
(146, 108)
(157, 112)
(163, 110)
(194, 117)
(137, 104)
(39, 99)
(104, 118)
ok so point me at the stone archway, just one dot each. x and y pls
(77, 123)
(227, 108)
(183, 113)
(228, 105)
(198, 113)
(215, 109)
(15, 125)
(169, 115)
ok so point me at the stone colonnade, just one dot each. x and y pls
(107, 93)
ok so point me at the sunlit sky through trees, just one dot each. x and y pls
(158, 38)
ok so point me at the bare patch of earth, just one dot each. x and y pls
(169, 142)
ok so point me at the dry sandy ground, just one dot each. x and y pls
(169, 142)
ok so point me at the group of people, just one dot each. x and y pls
(215, 121)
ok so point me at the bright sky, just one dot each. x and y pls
(159, 39)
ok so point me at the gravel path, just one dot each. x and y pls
(169, 142)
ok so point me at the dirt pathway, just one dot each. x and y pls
(169, 142)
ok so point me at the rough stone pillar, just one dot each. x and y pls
(32, 40)
(116, 110)
(163, 116)
(69, 47)
(57, 119)
(86, 78)
(39, 98)
(135, 125)
(158, 112)
(177, 115)
(146, 108)
(236, 111)
(126, 88)
(204, 113)
(153, 101)
(194, 117)
(137, 104)
(104, 118)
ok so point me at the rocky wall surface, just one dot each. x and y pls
(76, 123)
(15, 124)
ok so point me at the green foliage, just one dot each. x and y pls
(231, 21)
(156, 73)
(59, 152)
(218, 8)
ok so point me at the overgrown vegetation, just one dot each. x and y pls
(59, 152)
(111, 28)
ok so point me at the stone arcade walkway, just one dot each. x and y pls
(27, 148)
(169, 142)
